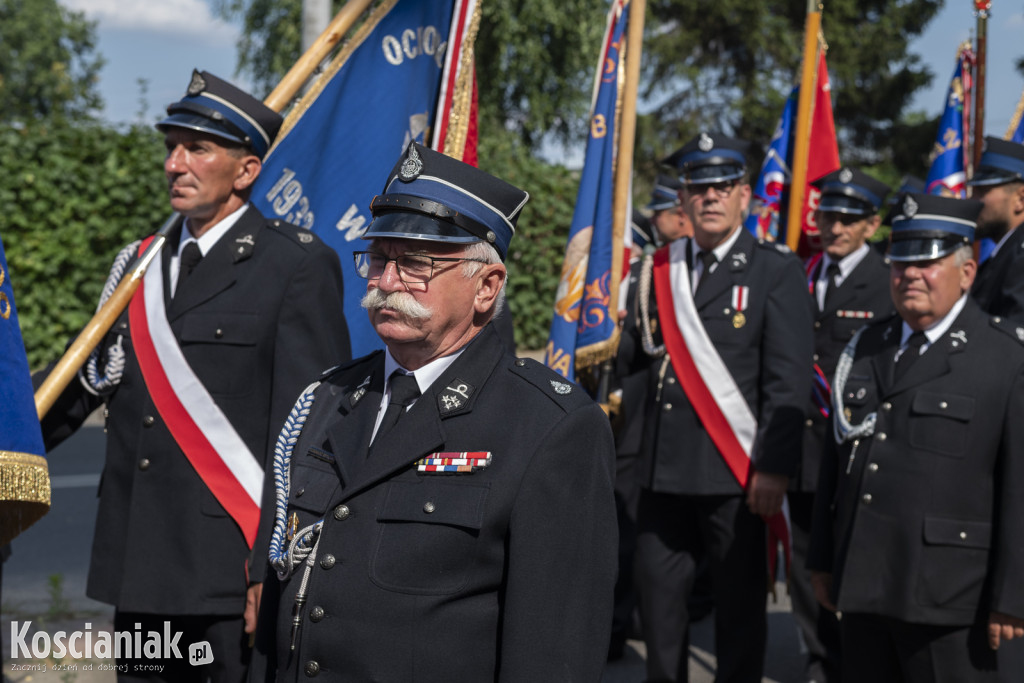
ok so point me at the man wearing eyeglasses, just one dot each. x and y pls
(449, 515)
(724, 421)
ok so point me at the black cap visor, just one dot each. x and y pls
(988, 175)
(713, 173)
(845, 204)
(925, 246)
(182, 119)
(416, 226)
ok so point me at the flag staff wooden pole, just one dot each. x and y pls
(627, 143)
(982, 8)
(94, 331)
(798, 183)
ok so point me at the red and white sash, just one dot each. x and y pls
(704, 376)
(202, 431)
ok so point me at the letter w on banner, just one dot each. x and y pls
(583, 330)
(407, 73)
(24, 477)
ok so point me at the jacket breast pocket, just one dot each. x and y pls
(221, 347)
(940, 422)
(314, 486)
(428, 534)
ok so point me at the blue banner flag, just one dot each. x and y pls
(380, 93)
(947, 175)
(767, 212)
(582, 324)
(24, 479)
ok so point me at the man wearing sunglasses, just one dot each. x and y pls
(450, 514)
(724, 419)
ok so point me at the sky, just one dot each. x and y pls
(163, 41)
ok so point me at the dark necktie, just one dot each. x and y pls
(830, 281)
(190, 258)
(404, 390)
(709, 259)
(910, 354)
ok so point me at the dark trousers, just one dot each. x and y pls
(229, 647)
(818, 627)
(626, 493)
(674, 534)
(877, 648)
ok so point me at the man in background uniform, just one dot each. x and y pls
(999, 184)
(918, 519)
(849, 285)
(450, 515)
(232, 317)
(724, 421)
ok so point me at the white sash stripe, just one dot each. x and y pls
(712, 368)
(198, 403)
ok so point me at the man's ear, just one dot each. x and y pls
(490, 280)
(249, 168)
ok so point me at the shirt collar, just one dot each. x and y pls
(210, 237)
(846, 264)
(721, 251)
(939, 328)
(426, 375)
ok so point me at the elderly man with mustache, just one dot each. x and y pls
(447, 513)
(918, 518)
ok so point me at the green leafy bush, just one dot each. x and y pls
(72, 196)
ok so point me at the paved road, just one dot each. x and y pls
(59, 546)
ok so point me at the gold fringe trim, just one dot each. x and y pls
(462, 97)
(339, 60)
(1015, 121)
(24, 492)
(587, 356)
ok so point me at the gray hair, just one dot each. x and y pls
(963, 254)
(487, 254)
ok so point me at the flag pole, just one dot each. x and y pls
(92, 334)
(981, 8)
(627, 142)
(802, 145)
(623, 179)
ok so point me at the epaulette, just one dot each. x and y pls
(341, 367)
(774, 246)
(300, 236)
(567, 395)
(1008, 327)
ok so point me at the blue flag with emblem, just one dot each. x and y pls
(335, 152)
(767, 213)
(947, 175)
(582, 323)
(24, 479)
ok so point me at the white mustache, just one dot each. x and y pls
(402, 302)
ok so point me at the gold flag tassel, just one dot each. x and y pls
(24, 492)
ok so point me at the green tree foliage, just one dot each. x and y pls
(48, 64)
(730, 64)
(536, 57)
(73, 195)
(535, 258)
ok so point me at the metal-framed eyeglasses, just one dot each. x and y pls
(721, 189)
(412, 268)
